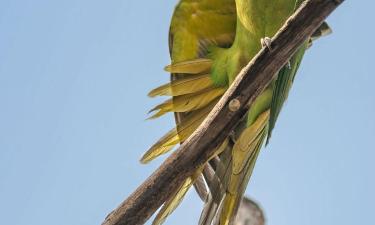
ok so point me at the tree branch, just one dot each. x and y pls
(195, 151)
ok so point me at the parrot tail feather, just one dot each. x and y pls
(234, 174)
(171, 204)
(322, 31)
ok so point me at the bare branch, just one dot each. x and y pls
(252, 80)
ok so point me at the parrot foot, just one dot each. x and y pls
(266, 42)
(337, 1)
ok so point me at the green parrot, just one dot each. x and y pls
(210, 42)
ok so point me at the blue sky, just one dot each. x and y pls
(73, 82)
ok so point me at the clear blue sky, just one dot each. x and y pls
(73, 82)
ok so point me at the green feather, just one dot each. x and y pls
(282, 86)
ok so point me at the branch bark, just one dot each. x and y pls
(195, 151)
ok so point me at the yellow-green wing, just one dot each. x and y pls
(195, 27)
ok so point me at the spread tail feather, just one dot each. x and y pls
(188, 102)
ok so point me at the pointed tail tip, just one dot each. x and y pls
(168, 68)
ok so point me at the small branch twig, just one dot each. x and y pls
(249, 213)
(195, 151)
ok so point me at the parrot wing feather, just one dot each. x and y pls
(194, 66)
(188, 102)
(287, 74)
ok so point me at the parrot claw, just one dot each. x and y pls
(288, 65)
(266, 42)
(232, 136)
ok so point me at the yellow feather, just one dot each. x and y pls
(165, 144)
(189, 102)
(248, 141)
(237, 185)
(195, 66)
(229, 204)
(183, 86)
